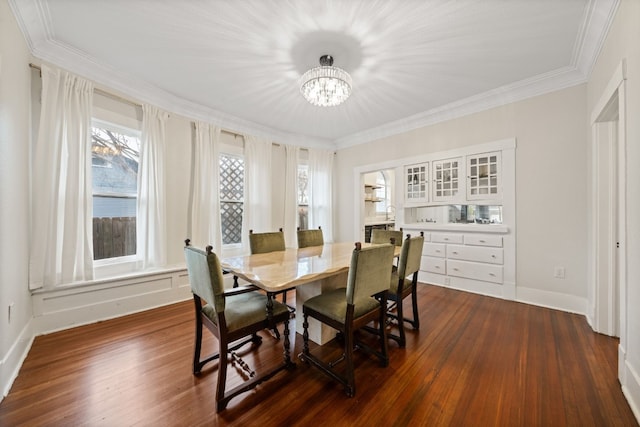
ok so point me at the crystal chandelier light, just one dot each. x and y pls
(326, 85)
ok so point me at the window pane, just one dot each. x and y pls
(114, 166)
(231, 198)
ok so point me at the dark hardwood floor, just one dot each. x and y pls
(476, 361)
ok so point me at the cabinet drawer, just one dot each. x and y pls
(475, 253)
(446, 238)
(434, 249)
(483, 240)
(474, 270)
(433, 265)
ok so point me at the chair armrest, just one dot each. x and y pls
(240, 290)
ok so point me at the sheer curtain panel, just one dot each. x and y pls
(291, 196)
(61, 250)
(205, 209)
(151, 222)
(320, 191)
(257, 196)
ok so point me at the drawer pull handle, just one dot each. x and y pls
(493, 256)
(455, 269)
(455, 252)
(492, 275)
(437, 266)
(482, 241)
(445, 239)
(437, 251)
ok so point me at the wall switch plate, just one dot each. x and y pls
(558, 272)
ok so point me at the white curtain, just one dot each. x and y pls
(61, 249)
(151, 213)
(205, 210)
(291, 196)
(320, 191)
(257, 192)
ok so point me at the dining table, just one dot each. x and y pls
(311, 271)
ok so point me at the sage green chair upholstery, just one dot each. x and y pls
(310, 237)
(404, 280)
(234, 316)
(379, 235)
(262, 243)
(350, 309)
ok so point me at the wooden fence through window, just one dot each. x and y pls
(114, 237)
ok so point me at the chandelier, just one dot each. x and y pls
(326, 85)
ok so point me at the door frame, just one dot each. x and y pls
(608, 297)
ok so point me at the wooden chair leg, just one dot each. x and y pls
(414, 303)
(350, 388)
(198, 346)
(402, 341)
(221, 400)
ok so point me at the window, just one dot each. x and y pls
(303, 196)
(231, 198)
(114, 166)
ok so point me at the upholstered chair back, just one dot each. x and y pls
(205, 276)
(310, 237)
(261, 243)
(384, 236)
(369, 272)
(410, 256)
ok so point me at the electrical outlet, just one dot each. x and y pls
(447, 281)
(558, 272)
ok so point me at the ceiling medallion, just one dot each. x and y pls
(326, 85)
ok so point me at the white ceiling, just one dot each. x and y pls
(236, 63)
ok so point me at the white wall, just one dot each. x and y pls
(15, 335)
(551, 185)
(623, 43)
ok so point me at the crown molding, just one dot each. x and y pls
(538, 85)
(34, 21)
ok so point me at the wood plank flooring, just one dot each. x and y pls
(476, 361)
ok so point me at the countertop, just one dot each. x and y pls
(472, 228)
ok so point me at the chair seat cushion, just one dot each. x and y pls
(393, 288)
(244, 310)
(333, 304)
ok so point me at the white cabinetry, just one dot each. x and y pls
(450, 256)
(446, 179)
(416, 180)
(483, 176)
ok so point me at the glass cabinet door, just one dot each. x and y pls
(446, 179)
(416, 183)
(483, 176)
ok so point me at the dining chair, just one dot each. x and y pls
(404, 280)
(379, 235)
(310, 237)
(261, 243)
(351, 308)
(234, 316)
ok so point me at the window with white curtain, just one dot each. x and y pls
(114, 165)
(231, 197)
(303, 196)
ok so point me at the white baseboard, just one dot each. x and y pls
(630, 381)
(555, 300)
(10, 365)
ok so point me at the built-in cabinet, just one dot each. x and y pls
(452, 182)
(470, 257)
(483, 176)
(370, 193)
(446, 179)
(416, 179)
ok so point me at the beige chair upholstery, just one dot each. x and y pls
(310, 237)
(234, 316)
(379, 235)
(350, 309)
(404, 282)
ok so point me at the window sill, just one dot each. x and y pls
(107, 281)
